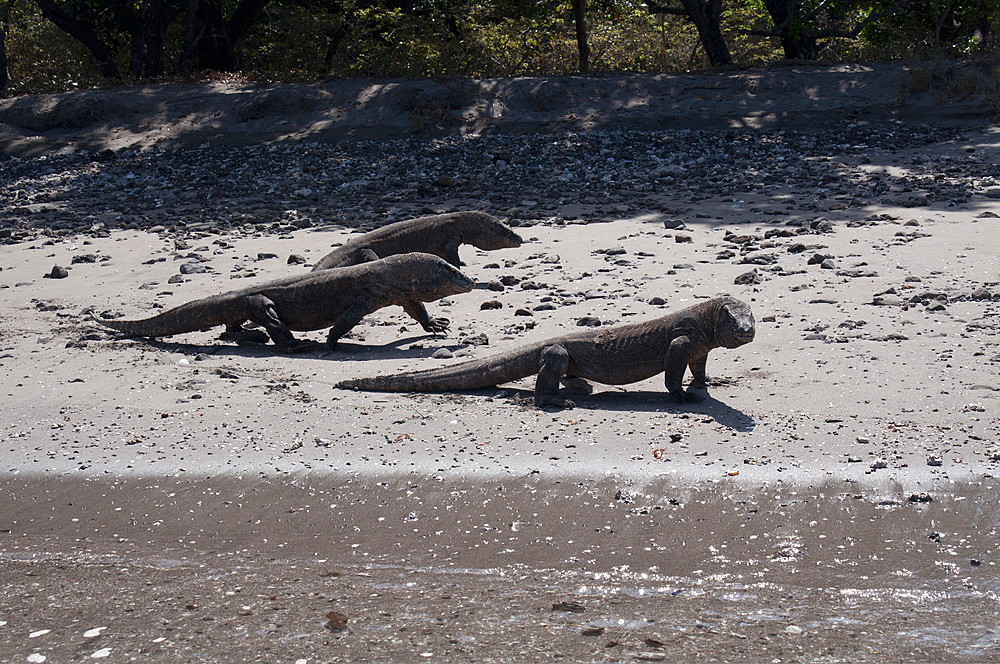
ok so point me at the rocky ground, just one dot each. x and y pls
(832, 499)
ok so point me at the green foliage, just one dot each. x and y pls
(302, 40)
(43, 58)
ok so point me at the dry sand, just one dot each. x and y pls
(832, 499)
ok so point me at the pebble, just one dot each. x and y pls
(277, 188)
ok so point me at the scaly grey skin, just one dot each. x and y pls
(439, 234)
(338, 299)
(614, 356)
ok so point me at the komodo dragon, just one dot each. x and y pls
(337, 298)
(439, 234)
(615, 356)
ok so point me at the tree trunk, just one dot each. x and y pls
(336, 38)
(157, 19)
(795, 46)
(706, 18)
(580, 15)
(192, 35)
(4, 76)
(215, 50)
(85, 34)
(246, 15)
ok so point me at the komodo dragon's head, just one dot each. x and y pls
(485, 232)
(735, 325)
(428, 277)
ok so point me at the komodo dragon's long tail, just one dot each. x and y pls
(189, 317)
(495, 370)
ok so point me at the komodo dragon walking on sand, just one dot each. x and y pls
(439, 234)
(337, 298)
(614, 356)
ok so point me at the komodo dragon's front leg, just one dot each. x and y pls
(683, 351)
(418, 312)
(554, 363)
(261, 310)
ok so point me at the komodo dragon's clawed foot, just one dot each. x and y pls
(245, 337)
(437, 324)
(298, 346)
(554, 402)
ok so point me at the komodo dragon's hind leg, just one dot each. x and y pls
(263, 313)
(555, 362)
(451, 250)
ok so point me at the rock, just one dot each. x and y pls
(442, 354)
(657, 301)
(887, 300)
(194, 268)
(855, 272)
(821, 225)
(816, 259)
(478, 340)
(510, 280)
(491, 304)
(674, 224)
(263, 256)
(748, 278)
(296, 259)
(495, 285)
(680, 238)
(992, 192)
(523, 312)
(981, 294)
(589, 321)
(828, 264)
(57, 272)
(83, 258)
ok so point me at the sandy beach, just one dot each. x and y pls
(832, 497)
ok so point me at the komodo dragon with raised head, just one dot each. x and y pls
(614, 356)
(337, 298)
(439, 234)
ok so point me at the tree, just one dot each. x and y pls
(82, 28)
(209, 38)
(706, 16)
(4, 75)
(218, 37)
(802, 24)
(580, 17)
